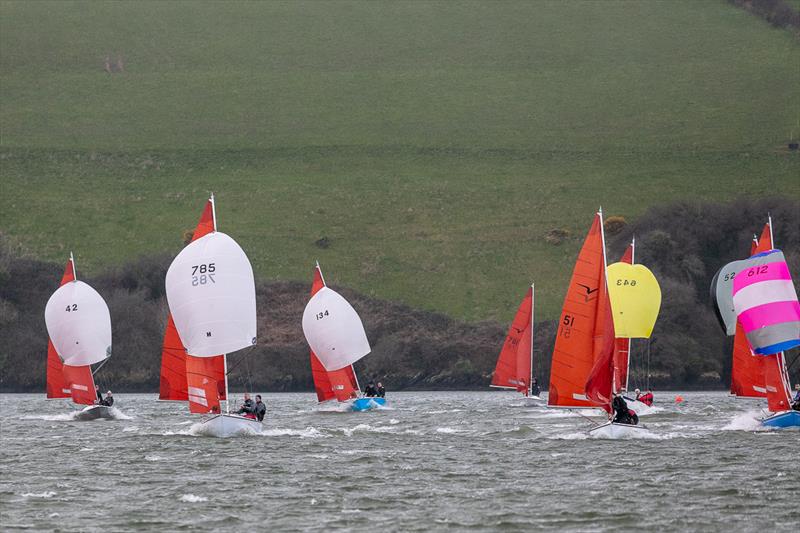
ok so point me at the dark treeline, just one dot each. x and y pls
(684, 244)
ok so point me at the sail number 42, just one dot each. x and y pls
(202, 274)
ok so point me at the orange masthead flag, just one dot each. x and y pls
(583, 315)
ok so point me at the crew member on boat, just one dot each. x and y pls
(370, 391)
(623, 415)
(108, 401)
(260, 408)
(796, 400)
(535, 390)
(381, 390)
(646, 398)
(248, 408)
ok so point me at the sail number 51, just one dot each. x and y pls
(202, 274)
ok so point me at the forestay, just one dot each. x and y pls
(212, 298)
(79, 324)
(334, 330)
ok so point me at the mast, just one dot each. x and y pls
(630, 341)
(530, 378)
(227, 393)
(72, 262)
(771, 234)
(213, 211)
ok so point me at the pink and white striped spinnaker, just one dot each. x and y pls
(766, 303)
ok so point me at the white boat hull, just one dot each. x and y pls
(641, 409)
(224, 426)
(612, 430)
(93, 412)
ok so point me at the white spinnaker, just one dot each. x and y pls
(79, 324)
(334, 330)
(212, 296)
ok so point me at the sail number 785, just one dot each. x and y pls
(202, 274)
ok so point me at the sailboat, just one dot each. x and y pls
(337, 339)
(765, 304)
(622, 345)
(79, 327)
(514, 369)
(176, 365)
(211, 297)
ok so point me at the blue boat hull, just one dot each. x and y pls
(365, 404)
(786, 419)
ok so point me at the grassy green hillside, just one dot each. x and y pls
(434, 144)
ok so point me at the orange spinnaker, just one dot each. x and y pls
(574, 351)
(513, 369)
(174, 382)
(339, 384)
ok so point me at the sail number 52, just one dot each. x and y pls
(202, 274)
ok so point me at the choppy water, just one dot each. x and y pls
(434, 461)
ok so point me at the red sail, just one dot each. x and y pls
(339, 384)
(57, 384)
(513, 369)
(574, 353)
(600, 383)
(747, 370)
(81, 384)
(622, 347)
(173, 383)
(777, 385)
(205, 384)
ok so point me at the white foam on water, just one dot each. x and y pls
(86, 450)
(307, 433)
(578, 435)
(394, 421)
(191, 498)
(747, 421)
(130, 428)
(367, 428)
(152, 458)
(58, 417)
(350, 511)
(449, 430)
(319, 456)
(116, 414)
(46, 494)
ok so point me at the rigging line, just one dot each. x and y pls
(586, 417)
(796, 357)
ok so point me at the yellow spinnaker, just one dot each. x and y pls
(635, 300)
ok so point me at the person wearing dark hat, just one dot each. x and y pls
(370, 391)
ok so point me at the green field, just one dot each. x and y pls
(434, 144)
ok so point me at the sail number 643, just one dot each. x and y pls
(202, 274)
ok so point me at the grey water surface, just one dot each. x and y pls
(449, 461)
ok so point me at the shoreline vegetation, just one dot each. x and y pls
(683, 244)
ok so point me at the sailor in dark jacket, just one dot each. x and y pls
(108, 400)
(621, 411)
(260, 408)
(381, 390)
(248, 408)
(370, 391)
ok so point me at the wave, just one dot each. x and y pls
(46, 494)
(191, 498)
(747, 421)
